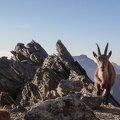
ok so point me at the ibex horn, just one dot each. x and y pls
(106, 48)
(98, 49)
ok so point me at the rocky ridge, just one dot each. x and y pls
(38, 86)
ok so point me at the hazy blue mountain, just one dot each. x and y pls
(89, 65)
(117, 67)
(116, 88)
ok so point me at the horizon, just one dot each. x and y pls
(78, 24)
(10, 55)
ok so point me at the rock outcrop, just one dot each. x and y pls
(31, 52)
(17, 73)
(54, 82)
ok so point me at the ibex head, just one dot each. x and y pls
(102, 59)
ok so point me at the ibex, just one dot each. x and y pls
(104, 76)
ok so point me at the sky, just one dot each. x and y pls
(79, 24)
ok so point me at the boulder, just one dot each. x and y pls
(93, 102)
(62, 108)
(66, 86)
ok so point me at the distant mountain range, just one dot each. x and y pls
(89, 65)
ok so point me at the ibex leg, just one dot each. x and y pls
(106, 94)
(97, 87)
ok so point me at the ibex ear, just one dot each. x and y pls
(94, 54)
(109, 54)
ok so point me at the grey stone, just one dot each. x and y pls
(62, 108)
(66, 86)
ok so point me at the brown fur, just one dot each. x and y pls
(104, 76)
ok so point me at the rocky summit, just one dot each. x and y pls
(38, 86)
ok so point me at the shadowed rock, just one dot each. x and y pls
(6, 99)
(93, 102)
(54, 69)
(29, 95)
(31, 75)
(63, 52)
(19, 70)
(66, 86)
(31, 52)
